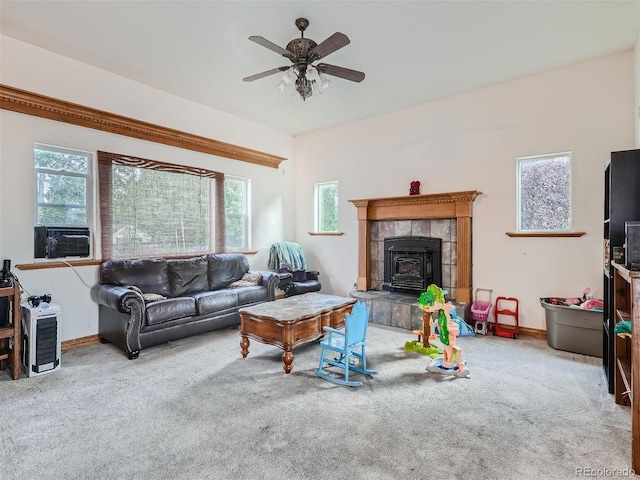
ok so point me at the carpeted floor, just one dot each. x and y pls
(195, 409)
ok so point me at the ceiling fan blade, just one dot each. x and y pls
(330, 45)
(346, 73)
(265, 74)
(271, 46)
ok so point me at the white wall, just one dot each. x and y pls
(31, 68)
(637, 90)
(471, 142)
(465, 142)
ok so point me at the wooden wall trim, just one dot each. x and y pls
(30, 103)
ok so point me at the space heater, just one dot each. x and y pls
(41, 332)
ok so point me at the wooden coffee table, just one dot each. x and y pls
(292, 321)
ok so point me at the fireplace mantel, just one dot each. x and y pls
(458, 205)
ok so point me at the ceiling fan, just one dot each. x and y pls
(309, 79)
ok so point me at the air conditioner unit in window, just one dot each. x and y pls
(59, 242)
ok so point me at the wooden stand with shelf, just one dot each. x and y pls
(10, 355)
(626, 298)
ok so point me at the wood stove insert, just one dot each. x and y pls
(411, 264)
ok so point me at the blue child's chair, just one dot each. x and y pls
(349, 343)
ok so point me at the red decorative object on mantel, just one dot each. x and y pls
(415, 188)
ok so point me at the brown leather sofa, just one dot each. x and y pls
(179, 297)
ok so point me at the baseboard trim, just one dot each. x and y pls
(524, 331)
(533, 332)
(80, 342)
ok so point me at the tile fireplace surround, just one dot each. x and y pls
(458, 205)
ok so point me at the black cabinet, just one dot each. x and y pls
(621, 204)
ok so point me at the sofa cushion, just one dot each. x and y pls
(248, 295)
(225, 268)
(151, 275)
(299, 276)
(165, 310)
(247, 280)
(188, 275)
(148, 297)
(215, 301)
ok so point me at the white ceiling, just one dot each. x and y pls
(411, 51)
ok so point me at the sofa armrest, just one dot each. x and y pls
(285, 280)
(119, 298)
(270, 280)
(121, 321)
(312, 275)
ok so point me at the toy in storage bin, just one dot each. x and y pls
(480, 310)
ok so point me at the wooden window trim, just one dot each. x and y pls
(548, 235)
(57, 264)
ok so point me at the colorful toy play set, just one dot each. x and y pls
(446, 327)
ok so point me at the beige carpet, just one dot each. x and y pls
(195, 409)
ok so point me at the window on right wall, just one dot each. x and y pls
(237, 201)
(544, 193)
(326, 211)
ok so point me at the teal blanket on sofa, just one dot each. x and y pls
(287, 255)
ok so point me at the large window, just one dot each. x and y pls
(150, 208)
(544, 193)
(326, 203)
(236, 213)
(63, 186)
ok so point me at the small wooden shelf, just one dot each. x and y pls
(10, 338)
(6, 332)
(623, 368)
(623, 315)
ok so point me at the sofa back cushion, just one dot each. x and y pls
(151, 275)
(189, 275)
(225, 268)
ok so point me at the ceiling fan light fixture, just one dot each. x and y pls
(288, 78)
(309, 79)
(324, 81)
(303, 87)
(315, 89)
(306, 85)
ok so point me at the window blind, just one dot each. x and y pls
(152, 208)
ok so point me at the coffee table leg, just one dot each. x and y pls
(287, 358)
(244, 345)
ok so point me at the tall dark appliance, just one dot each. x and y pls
(621, 205)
